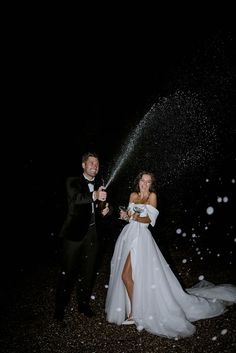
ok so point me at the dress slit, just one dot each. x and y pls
(127, 299)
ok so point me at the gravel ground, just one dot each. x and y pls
(28, 304)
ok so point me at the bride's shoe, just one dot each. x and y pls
(129, 321)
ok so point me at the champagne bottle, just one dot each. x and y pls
(102, 204)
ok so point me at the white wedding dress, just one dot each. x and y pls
(160, 304)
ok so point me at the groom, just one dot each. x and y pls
(80, 232)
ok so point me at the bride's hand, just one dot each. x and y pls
(135, 216)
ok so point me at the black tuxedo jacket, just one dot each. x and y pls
(79, 214)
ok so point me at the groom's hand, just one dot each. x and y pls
(105, 210)
(100, 194)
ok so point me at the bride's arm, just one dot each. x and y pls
(140, 219)
(153, 200)
(131, 200)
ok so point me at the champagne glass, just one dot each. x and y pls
(137, 209)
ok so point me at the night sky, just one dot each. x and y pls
(80, 90)
(75, 92)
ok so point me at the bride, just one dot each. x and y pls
(142, 289)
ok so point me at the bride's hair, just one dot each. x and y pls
(139, 177)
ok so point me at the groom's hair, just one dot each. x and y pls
(86, 156)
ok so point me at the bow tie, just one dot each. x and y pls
(90, 181)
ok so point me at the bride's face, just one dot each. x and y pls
(145, 182)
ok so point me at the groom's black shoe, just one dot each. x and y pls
(59, 315)
(86, 310)
(59, 318)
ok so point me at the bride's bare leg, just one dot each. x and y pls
(127, 279)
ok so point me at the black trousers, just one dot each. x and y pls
(78, 270)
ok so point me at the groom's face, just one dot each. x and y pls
(91, 167)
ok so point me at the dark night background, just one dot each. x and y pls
(80, 87)
(75, 93)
